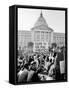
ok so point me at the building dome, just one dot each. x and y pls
(41, 21)
(41, 24)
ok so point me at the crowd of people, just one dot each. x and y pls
(39, 67)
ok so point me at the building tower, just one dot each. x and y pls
(42, 34)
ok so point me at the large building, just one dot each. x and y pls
(41, 35)
(24, 37)
(59, 39)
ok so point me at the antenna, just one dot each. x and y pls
(41, 13)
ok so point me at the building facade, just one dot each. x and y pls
(59, 39)
(41, 35)
(24, 37)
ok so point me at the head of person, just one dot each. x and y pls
(26, 66)
(54, 54)
(33, 66)
(21, 57)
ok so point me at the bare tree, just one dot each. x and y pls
(30, 44)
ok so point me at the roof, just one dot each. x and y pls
(41, 24)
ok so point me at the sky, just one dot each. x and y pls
(28, 17)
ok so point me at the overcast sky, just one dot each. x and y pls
(28, 17)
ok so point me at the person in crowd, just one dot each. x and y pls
(23, 74)
(32, 74)
(47, 63)
(30, 59)
(52, 71)
(20, 63)
(60, 57)
(36, 60)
